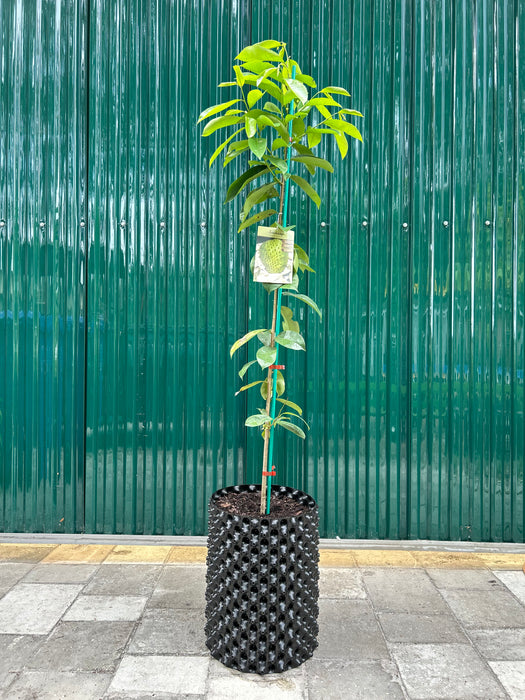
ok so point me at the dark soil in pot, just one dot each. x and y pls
(262, 579)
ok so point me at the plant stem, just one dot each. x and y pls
(264, 483)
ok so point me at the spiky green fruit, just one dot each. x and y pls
(272, 256)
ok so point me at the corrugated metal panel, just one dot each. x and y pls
(163, 427)
(42, 185)
(414, 379)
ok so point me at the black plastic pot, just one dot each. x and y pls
(262, 585)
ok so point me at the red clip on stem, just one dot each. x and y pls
(276, 366)
(270, 473)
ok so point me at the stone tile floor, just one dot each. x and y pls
(80, 621)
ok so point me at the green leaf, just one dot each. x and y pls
(328, 101)
(298, 89)
(306, 79)
(245, 367)
(314, 137)
(307, 300)
(219, 123)
(265, 337)
(243, 340)
(219, 150)
(253, 96)
(307, 189)
(279, 163)
(248, 386)
(345, 127)
(288, 323)
(291, 340)
(335, 91)
(323, 111)
(280, 385)
(256, 218)
(243, 180)
(257, 146)
(257, 196)
(266, 356)
(292, 428)
(303, 256)
(352, 112)
(250, 126)
(256, 52)
(269, 43)
(239, 76)
(303, 150)
(291, 404)
(342, 144)
(267, 85)
(279, 143)
(271, 107)
(216, 108)
(314, 162)
(257, 420)
(228, 84)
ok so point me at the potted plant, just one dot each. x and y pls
(262, 575)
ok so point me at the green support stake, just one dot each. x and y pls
(278, 321)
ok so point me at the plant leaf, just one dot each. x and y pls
(288, 323)
(243, 180)
(327, 101)
(219, 150)
(256, 196)
(352, 112)
(257, 420)
(335, 90)
(307, 300)
(266, 356)
(253, 96)
(216, 108)
(307, 189)
(245, 338)
(248, 386)
(256, 52)
(239, 76)
(291, 404)
(228, 84)
(295, 429)
(279, 163)
(245, 367)
(256, 218)
(345, 127)
(257, 146)
(265, 337)
(250, 126)
(314, 162)
(314, 137)
(291, 340)
(298, 89)
(271, 107)
(220, 123)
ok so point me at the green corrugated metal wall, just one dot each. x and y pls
(414, 389)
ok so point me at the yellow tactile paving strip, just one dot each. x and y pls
(341, 558)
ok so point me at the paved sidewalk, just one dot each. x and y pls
(103, 621)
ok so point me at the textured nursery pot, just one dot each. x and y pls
(262, 585)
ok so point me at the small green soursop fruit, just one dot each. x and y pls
(272, 256)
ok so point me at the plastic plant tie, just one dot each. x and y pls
(272, 473)
(277, 367)
(279, 296)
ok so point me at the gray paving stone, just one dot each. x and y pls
(496, 609)
(35, 608)
(419, 629)
(60, 573)
(226, 683)
(514, 581)
(180, 587)
(403, 590)
(53, 685)
(511, 675)
(464, 578)
(124, 579)
(138, 675)
(341, 680)
(500, 645)
(341, 583)
(106, 607)
(14, 652)
(83, 646)
(348, 629)
(11, 573)
(445, 671)
(176, 632)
